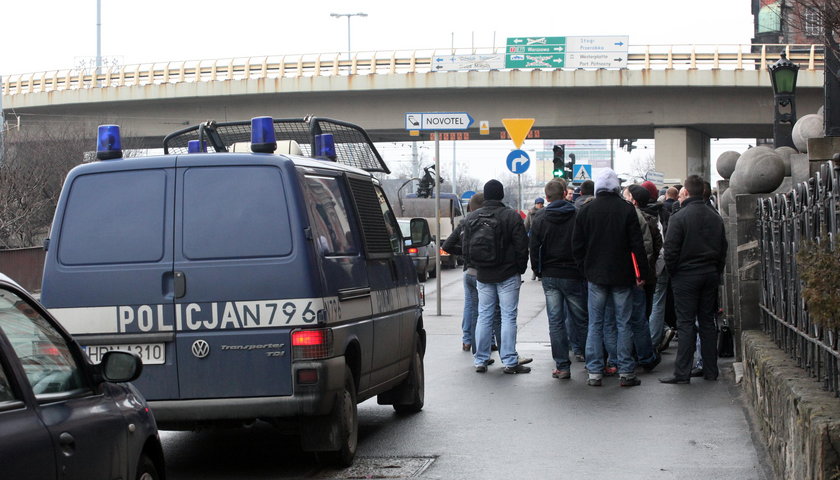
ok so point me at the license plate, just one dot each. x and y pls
(150, 353)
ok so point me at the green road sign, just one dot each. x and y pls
(535, 41)
(535, 60)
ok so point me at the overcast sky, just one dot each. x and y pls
(58, 34)
(61, 34)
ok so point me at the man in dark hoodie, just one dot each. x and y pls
(606, 237)
(497, 246)
(695, 255)
(552, 260)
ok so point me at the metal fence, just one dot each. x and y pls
(808, 212)
(391, 62)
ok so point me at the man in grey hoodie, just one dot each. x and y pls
(606, 238)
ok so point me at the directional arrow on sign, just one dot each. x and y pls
(518, 161)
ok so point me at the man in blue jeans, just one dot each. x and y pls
(552, 260)
(606, 237)
(496, 244)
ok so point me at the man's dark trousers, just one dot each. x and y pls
(695, 298)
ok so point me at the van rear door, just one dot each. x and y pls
(240, 253)
(108, 275)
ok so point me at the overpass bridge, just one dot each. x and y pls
(679, 95)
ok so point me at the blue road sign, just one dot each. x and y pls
(581, 173)
(467, 195)
(518, 161)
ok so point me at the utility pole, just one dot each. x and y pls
(2, 124)
(832, 84)
(348, 15)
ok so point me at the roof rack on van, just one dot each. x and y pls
(352, 144)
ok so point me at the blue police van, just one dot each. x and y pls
(254, 285)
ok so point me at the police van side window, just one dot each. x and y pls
(114, 217)
(325, 199)
(235, 212)
(394, 233)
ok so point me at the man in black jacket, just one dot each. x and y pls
(552, 260)
(606, 236)
(497, 246)
(695, 256)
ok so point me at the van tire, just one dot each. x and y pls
(146, 469)
(345, 420)
(433, 272)
(421, 277)
(415, 383)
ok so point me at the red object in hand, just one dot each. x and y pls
(635, 265)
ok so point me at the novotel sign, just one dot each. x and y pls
(438, 121)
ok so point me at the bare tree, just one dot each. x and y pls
(820, 15)
(35, 164)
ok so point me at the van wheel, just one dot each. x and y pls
(421, 277)
(146, 469)
(433, 273)
(344, 419)
(415, 383)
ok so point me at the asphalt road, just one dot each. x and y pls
(508, 426)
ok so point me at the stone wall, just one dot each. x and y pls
(798, 420)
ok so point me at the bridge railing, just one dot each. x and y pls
(808, 213)
(645, 57)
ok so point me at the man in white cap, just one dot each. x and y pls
(606, 240)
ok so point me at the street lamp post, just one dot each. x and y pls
(348, 15)
(783, 77)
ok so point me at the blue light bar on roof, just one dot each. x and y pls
(108, 143)
(262, 135)
(196, 146)
(325, 146)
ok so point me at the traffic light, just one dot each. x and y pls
(559, 158)
(569, 167)
(627, 142)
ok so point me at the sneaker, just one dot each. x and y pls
(494, 348)
(666, 339)
(489, 361)
(648, 367)
(466, 347)
(610, 371)
(517, 369)
(594, 382)
(629, 382)
(561, 374)
(696, 372)
(524, 360)
(579, 358)
(480, 368)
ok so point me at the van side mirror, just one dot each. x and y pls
(119, 366)
(420, 234)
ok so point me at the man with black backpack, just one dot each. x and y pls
(496, 244)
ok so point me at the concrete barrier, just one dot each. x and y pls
(798, 420)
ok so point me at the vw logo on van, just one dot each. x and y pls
(200, 348)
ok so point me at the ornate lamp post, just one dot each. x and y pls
(783, 77)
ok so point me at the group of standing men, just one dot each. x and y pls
(594, 258)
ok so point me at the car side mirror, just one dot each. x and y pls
(118, 366)
(420, 234)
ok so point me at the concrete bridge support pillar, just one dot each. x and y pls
(681, 152)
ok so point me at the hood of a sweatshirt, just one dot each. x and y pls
(559, 211)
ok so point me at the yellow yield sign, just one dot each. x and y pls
(518, 128)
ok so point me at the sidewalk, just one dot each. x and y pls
(566, 429)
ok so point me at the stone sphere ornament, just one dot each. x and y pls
(759, 170)
(726, 163)
(726, 199)
(785, 153)
(809, 126)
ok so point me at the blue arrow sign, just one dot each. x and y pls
(518, 161)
